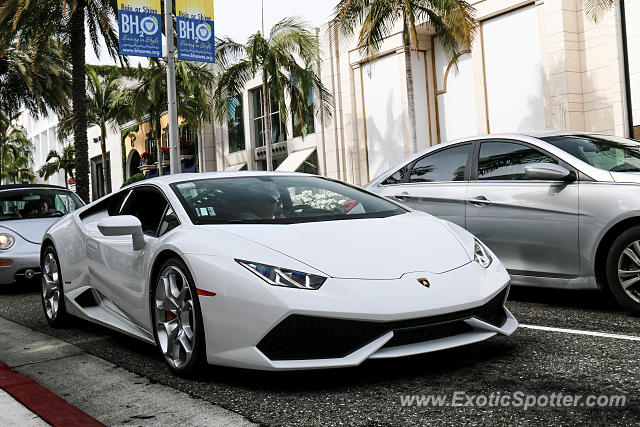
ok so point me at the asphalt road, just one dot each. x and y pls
(531, 361)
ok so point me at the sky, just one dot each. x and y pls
(240, 18)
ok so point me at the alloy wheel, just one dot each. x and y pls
(175, 317)
(51, 286)
(629, 270)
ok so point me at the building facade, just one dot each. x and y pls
(534, 65)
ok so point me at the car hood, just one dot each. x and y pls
(376, 248)
(31, 230)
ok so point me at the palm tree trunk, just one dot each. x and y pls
(411, 110)
(267, 121)
(103, 147)
(66, 180)
(79, 97)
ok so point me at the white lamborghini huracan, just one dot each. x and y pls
(271, 271)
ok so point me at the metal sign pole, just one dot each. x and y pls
(174, 145)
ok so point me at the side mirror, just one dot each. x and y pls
(547, 172)
(125, 225)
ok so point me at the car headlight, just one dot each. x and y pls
(481, 254)
(278, 276)
(6, 241)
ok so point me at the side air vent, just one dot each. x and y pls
(86, 299)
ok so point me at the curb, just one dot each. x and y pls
(47, 405)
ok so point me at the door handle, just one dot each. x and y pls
(402, 196)
(480, 201)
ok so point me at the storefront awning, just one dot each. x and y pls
(295, 160)
(236, 168)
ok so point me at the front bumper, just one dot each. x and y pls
(254, 325)
(24, 256)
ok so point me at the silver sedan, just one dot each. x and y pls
(560, 210)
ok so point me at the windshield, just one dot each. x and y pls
(278, 200)
(27, 203)
(608, 153)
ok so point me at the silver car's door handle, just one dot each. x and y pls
(480, 200)
(402, 196)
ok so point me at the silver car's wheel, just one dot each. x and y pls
(175, 317)
(629, 270)
(623, 269)
(50, 286)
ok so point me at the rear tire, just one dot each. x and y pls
(177, 320)
(623, 269)
(52, 290)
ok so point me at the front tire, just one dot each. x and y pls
(52, 293)
(177, 320)
(623, 269)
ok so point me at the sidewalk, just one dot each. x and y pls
(12, 413)
(39, 369)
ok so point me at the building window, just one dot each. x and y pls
(278, 129)
(188, 141)
(97, 177)
(165, 137)
(262, 164)
(309, 123)
(150, 147)
(235, 124)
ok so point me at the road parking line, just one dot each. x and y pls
(579, 332)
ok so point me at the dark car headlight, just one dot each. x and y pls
(6, 241)
(481, 254)
(278, 276)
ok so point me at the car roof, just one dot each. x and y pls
(170, 179)
(520, 134)
(34, 186)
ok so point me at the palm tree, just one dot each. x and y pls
(39, 84)
(148, 97)
(273, 59)
(452, 20)
(57, 162)
(105, 106)
(67, 19)
(15, 154)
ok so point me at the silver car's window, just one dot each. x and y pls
(148, 205)
(444, 165)
(278, 200)
(507, 161)
(36, 203)
(612, 154)
(399, 176)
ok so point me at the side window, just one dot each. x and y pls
(445, 165)
(148, 205)
(65, 203)
(110, 206)
(397, 177)
(169, 222)
(507, 160)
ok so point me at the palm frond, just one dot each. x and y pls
(595, 9)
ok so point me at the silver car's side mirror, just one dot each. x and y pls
(547, 172)
(124, 225)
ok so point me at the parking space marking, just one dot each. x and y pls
(579, 332)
